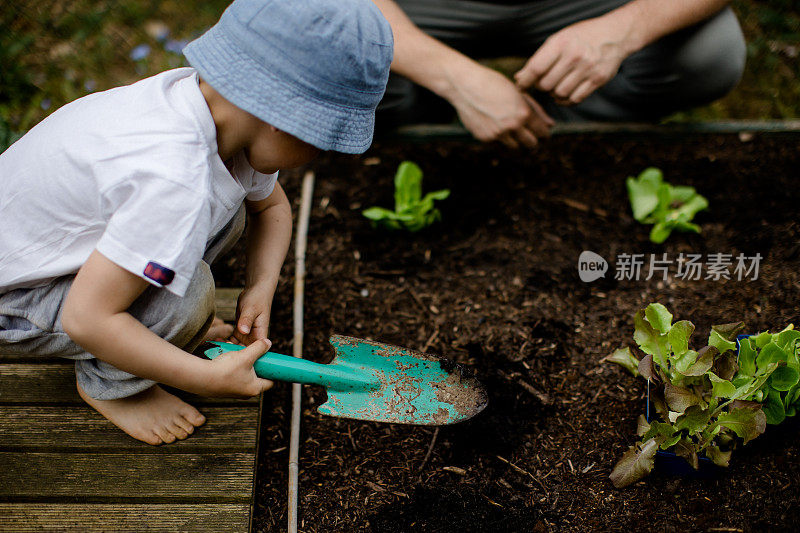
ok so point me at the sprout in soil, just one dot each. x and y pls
(667, 207)
(412, 211)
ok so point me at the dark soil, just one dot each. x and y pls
(495, 285)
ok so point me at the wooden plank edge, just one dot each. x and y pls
(255, 463)
(456, 132)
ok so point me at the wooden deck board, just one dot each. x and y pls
(63, 467)
(203, 476)
(167, 518)
(82, 427)
(226, 303)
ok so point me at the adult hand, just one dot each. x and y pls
(492, 108)
(576, 61)
(252, 315)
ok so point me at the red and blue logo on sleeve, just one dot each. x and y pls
(159, 273)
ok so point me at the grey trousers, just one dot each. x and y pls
(30, 321)
(691, 67)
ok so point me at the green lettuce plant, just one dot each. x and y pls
(412, 211)
(667, 207)
(708, 401)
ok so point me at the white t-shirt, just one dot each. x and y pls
(132, 172)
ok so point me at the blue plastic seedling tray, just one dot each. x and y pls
(673, 465)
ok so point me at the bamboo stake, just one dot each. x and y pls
(299, 280)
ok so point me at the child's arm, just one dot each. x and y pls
(268, 239)
(95, 316)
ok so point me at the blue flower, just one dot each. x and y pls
(89, 85)
(46, 103)
(176, 47)
(140, 52)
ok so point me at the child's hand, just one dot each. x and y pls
(252, 315)
(233, 375)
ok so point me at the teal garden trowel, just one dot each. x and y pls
(369, 380)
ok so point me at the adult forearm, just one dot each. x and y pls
(421, 58)
(642, 22)
(487, 102)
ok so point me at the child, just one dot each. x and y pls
(113, 207)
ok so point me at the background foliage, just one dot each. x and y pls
(54, 51)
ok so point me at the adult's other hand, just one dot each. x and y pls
(576, 61)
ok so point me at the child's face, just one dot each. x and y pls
(271, 149)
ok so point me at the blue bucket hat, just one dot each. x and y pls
(315, 69)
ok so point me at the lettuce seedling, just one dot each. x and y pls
(666, 206)
(412, 211)
(707, 401)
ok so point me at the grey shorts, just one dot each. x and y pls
(30, 321)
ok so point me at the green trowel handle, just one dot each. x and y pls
(281, 367)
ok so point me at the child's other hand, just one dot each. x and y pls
(233, 374)
(252, 315)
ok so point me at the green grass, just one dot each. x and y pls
(54, 51)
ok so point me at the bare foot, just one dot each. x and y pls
(153, 416)
(219, 331)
